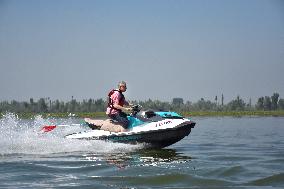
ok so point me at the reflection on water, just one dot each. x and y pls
(142, 157)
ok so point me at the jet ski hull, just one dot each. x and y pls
(154, 139)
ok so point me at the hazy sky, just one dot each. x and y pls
(162, 49)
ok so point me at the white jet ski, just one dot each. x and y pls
(155, 129)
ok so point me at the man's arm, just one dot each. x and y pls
(117, 106)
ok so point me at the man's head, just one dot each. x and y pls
(122, 86)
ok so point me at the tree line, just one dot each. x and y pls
(45, 105)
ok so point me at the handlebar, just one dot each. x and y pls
(135, 109)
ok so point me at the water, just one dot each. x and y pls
(246, 152)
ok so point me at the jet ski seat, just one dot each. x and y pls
(149, 115)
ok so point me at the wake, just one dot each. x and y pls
(22, 136)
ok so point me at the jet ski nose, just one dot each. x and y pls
(192, 124)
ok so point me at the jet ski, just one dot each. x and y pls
(155, 129)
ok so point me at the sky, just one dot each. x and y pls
(163, 49)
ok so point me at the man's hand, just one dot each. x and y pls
(87, 119)
(128, 109)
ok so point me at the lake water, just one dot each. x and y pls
(220, 152)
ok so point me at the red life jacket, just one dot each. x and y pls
(110, 101)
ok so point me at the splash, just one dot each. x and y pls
(19, 136)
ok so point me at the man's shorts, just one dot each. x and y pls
(120, 118)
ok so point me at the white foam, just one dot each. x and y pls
(24, 137)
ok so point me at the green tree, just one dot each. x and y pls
(237, 105)
(281, 104)
(32, 105)
(260, 103)
(177, 101)
(56, 106)
(267, 103)
(100, 105)
(89, 105)
(204, 105)
(26, 107)
(274, 101)
(42, 107)
(63, 107)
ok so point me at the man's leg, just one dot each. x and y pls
(120, 119)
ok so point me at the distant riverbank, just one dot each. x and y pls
(234, 113)
(28, 115)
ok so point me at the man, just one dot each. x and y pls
(117, 104)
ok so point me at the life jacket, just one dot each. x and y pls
(110, 101)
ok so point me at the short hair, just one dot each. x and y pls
(121, 83)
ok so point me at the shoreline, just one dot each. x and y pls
(29, 115)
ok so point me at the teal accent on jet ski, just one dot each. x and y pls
(169, 114)
(133, 122)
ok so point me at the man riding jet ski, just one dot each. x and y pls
(154, 129)
(113, 125)
(116, 107)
